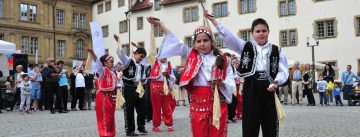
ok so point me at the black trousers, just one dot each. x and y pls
(43, 102)
(132, 101)
(258, 109)
(148, 102)
(53, 89)
(64, 94)
(232, 107)
(338, 100)
(310, 96)
(78, 94)
(16, 98)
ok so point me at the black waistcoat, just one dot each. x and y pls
(247, 65)
(129, 72)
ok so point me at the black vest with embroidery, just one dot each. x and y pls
(129, 72)
(247, 65)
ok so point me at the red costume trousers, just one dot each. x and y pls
(239, 106)
(201, 105)
(105, 110)
(159, 102)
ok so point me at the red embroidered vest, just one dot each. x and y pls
(156, 70)
(108, 80)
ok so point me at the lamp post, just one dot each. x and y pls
(128, 15)
(53, 4)
(313, 58)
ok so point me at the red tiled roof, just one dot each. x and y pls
(141, 5)
(165, 2)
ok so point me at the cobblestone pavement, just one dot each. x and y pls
(301, 121)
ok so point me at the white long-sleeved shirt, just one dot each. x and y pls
(236, 44)
(79, 80)
(172, 46)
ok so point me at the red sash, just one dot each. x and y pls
(156, 70)
(107, 81)
(191, 68)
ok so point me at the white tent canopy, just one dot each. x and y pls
(7, 47)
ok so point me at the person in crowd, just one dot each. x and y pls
(296, 83)
(182, 93)
(233, 104)
(63, 83)
(307, 83)
(72, 88)
(321, 86)
(25, 87)
(264, 67)
(206, 69)
(43, 102)
(52, 86)
(239, 85)
(89, 86)
(336, 92)
(329, 75)
(10, 92)
(105, 94)
(133, 75)
(147, 88)
(80, 88)
(36, 78)
(18, 80)
(284, 92)
(347, 80)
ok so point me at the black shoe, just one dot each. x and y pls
(312, 104)
(74, 109)
(62, 111)
(132, 134)
(0, 111)
(143, 131)
(52, 112)
(308, 104)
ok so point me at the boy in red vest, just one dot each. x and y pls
(161, 98)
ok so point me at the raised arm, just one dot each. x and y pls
(171, 45)
(231, 41)
(98, 65)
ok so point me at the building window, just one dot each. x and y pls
(189, 41)
(247, 6)
(245, 34)
(325, 28)
(220, 9)
(107, 6)
(100, 8)
(123, 26)
(121, 3)
(105, 30)
(29, 45)
(140, 23)
(288, 38)
(1, 7)
(157, 5)
(141, 44)
(218, 41)
(287, 7)
(158, 32)
(28, 12)
(60, 16)
(2, 37)
(357, 26)
(80, 48)
(191, 14)
(127, 49)
(61, 48)
(79, 20)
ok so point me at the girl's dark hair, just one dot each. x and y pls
(219, 62)
(257, 22)
(102, 59)
(8, 79)
(330, 68)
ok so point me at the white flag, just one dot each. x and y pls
(97, 41)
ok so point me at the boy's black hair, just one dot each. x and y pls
(36, 65)
(60, 62)
(24, 75)
(31, 65)
(141, 51)
(257, 22)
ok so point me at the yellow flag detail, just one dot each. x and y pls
(216, 109)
